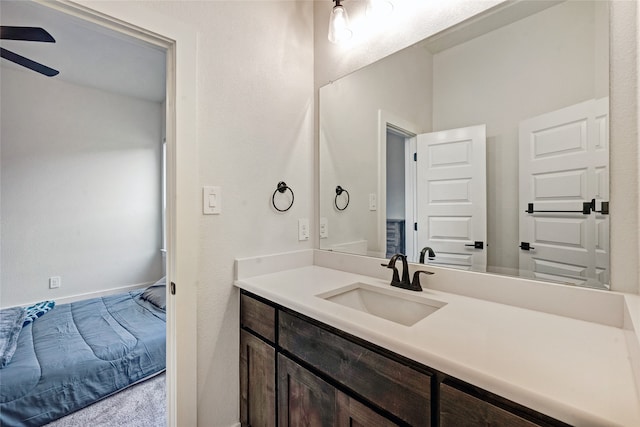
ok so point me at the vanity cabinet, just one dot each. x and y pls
(257, 363)
(306, 400)
(296, 371)
(459, 409)
(257, 381)
(386, 383)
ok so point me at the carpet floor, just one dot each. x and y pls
(142, 405)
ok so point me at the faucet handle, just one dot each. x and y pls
(396, 276)
(415, 283)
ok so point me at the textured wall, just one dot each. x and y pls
(254, 128)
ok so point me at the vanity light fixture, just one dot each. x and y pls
(339, 30)
(379, 8)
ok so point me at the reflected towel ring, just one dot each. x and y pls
(339, 191)
(282, 187)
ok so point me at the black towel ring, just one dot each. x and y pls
(339, 191)
(282, 187)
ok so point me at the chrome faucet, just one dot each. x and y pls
(404, 283)
(426, 250)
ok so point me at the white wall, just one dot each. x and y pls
(80, 189)
(533, 66)
(254, 128)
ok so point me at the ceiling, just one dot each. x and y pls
(86, 53)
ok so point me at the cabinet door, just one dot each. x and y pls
(459, 409)
(304, 400)
(351, 413)
(257, 382)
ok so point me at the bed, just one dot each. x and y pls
(79, 353)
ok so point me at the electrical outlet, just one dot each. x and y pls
(54, 282)
(303, 229)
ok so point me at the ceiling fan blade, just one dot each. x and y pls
(26, 62)
(32, 34)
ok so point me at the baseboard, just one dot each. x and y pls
(112, 291)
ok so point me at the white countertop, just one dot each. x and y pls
(573, 370)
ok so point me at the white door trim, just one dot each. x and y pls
(180, 43)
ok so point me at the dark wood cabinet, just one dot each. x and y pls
(304, 400)
(296, 371)
(257, 382)
(459, 409)
(351, 413)
(258, 317)
(386, 383)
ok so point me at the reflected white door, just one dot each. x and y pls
(451, 196)
(569, 247)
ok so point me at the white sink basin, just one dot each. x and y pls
(389, 304)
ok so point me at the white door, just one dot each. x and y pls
(566, 244)
(451, 197)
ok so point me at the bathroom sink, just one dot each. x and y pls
(385, 303)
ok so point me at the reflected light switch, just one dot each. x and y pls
(324, 228)
(373, 202)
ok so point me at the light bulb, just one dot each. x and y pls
(339, 25)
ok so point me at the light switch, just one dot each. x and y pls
(324, 228)
(211, 200)
(303, 229)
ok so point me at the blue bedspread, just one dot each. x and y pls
(79, 353)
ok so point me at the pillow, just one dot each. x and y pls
(156, 294)
(11, 320)
(37, 310)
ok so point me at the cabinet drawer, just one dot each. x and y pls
(258, 317)
(459, 409)
(388, 384)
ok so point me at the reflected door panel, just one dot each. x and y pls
(451, 196)
(570, 246)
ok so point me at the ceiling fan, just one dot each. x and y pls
(33, 34)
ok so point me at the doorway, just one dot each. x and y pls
(180, 230)
(400, 192)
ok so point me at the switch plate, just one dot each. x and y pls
(211, 200)
(324, 228)
(54, 282)
(303, 229)
(373, 202)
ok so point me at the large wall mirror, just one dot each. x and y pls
(484, 147)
